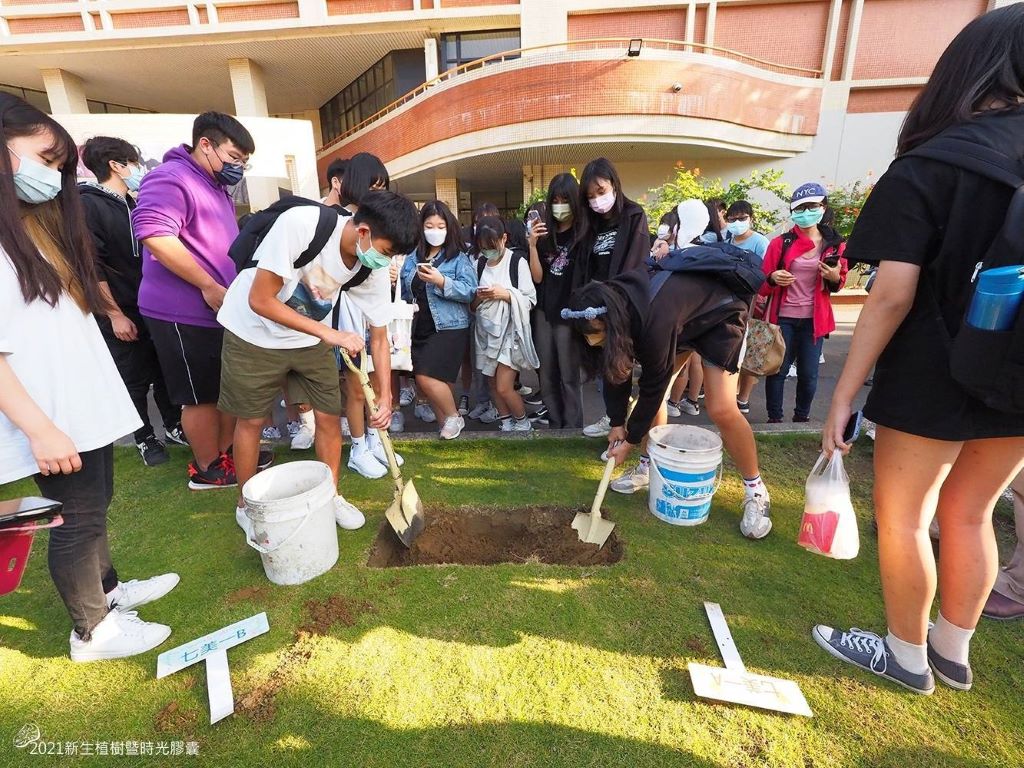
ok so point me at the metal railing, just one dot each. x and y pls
(594, 43)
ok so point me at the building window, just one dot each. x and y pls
(389, 79)
(460, 48)
(109, 108)
(37, 99)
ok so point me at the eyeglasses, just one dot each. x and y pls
(741, 217)
(246, 166)
(807, 207)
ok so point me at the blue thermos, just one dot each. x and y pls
(997, 299)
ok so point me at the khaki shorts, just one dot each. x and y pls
(252, 376)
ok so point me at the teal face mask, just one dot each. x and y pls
(807, 219)
(491, 254)
(371, 257)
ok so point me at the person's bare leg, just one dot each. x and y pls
(226, 427)
(678, 389)
(246, 450)
(505, 385)
(909, 473)
(327, 441)
(661, 417)
(355, 406)
(968, 557)
(499, 404)
(746, 389)
(439, 394)
(737, 436)
(696, 378)
(202, 425)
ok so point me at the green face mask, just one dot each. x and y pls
(491, 254)
(807, 219)
(371, 257)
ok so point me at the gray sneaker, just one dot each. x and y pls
(756, 522)
(954, 675)
(638, 478)
(869, 651)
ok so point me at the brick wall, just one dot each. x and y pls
(168, 18)
(343, 7)
(665, 24)
(867, 100)
(782, 33)
(38, 26)
(228, 13)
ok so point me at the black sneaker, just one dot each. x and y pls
(801, 419)
(534, 400)
(869, 651)
(744, 407)
(464, 405)
(176, 435)
(540, 417)
(153, 452)
(265, 459)
(954, 675)
(220, 474)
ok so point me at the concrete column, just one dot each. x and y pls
(856, 14)
(709, 27)
(313, 115)
(447, 191)
(835, 14)
(691, 23)
(65, 92)
(247, 88)
(430, 58)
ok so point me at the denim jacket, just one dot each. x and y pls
(449, 306)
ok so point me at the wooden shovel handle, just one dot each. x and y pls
(371, 400)
(602, 489)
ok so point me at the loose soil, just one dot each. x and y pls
(473, 536)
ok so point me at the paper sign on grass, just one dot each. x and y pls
(212, 649)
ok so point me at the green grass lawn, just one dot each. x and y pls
(512, 665)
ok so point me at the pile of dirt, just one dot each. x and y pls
(474, 536)
(174, 719)
(321, 615)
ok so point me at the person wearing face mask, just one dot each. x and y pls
(715, 233)
(273, 318)
(62, 402)
(805, 266)
(108, 204)
(186, 222)
(442, 282)
(553, 248)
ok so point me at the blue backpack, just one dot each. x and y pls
(739, 270)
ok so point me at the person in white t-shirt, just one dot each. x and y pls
(273, 316)
(62, 401)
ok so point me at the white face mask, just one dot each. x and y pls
(561, 211)
(738, 228)
(663, 230)
(434, 236)
(34, 182)
(603, 203)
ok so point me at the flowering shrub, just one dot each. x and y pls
(846, 202)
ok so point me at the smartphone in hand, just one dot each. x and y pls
(852, 430)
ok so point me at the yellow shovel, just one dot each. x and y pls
(591, 527)
(405, 515)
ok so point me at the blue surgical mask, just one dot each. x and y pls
(807, 219)
(35, 183)
(371, 257)
(738, 228)
(230, 175)
(134, 179)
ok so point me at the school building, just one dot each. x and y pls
(473, 100)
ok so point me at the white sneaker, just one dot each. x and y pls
(345, 431)
(453, 427)
(756, 523)
(525, 391)
(119, 635)
(673, 410)
(293, 428)
(522, 425)
(689, 407)
(376, 447)
(490, 415)
(346, 514)
(506, 424)
(364, 462)
(600, 428)
(406, 396)
(128, 595)
(397, 422)
(634, 479)
(792, 372)
(243, 521)
(302, 440)
(479, 409)
(270, 434)
(424, 412)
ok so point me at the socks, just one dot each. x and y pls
(754, 487)
(913, 658)
(359, 443)
(950, 641)
(308, 419)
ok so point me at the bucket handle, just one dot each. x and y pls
(666, 483)
(269, 550)
(54, 522)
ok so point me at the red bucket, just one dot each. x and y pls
(19, 521)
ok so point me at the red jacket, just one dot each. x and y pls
(824, 320)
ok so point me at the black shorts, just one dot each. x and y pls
(718, 337)
(439, 355)
(189, 359)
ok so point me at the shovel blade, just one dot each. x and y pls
(592, 529)
(405, 515)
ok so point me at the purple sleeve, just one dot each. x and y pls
(163, 207)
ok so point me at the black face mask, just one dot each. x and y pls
(229, 175)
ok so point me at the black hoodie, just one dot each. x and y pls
(687, 307)
(632, 246)
(118, 262)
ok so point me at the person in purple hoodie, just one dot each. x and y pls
(186, 222)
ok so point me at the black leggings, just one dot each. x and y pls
(79, 555)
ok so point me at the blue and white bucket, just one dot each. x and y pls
(686, 470)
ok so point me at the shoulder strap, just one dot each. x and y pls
(513, 269)
(481, 263)
(982, 160)
(788, 238)
(324, 229)
(358, 278)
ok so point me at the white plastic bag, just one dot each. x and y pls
(829, 525)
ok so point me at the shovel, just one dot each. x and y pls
(405, 515)
(591, 527)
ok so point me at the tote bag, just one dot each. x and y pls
(766, 348)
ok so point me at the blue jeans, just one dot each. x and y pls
(802, 349)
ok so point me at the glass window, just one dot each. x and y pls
(460, 48)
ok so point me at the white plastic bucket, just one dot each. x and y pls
(291, 510)
(686, 470)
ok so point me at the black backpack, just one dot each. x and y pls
(988, 365)
(513, 267)
(739, 270)
(256, 226)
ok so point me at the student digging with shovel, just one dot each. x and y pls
(692, 312)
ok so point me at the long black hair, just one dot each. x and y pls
(489, 231)
(363, 172)
(983, 64)
(565, 186)
(452, 244)
(614, 359)
(716, 207)
(62, 218)
(601, 168)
